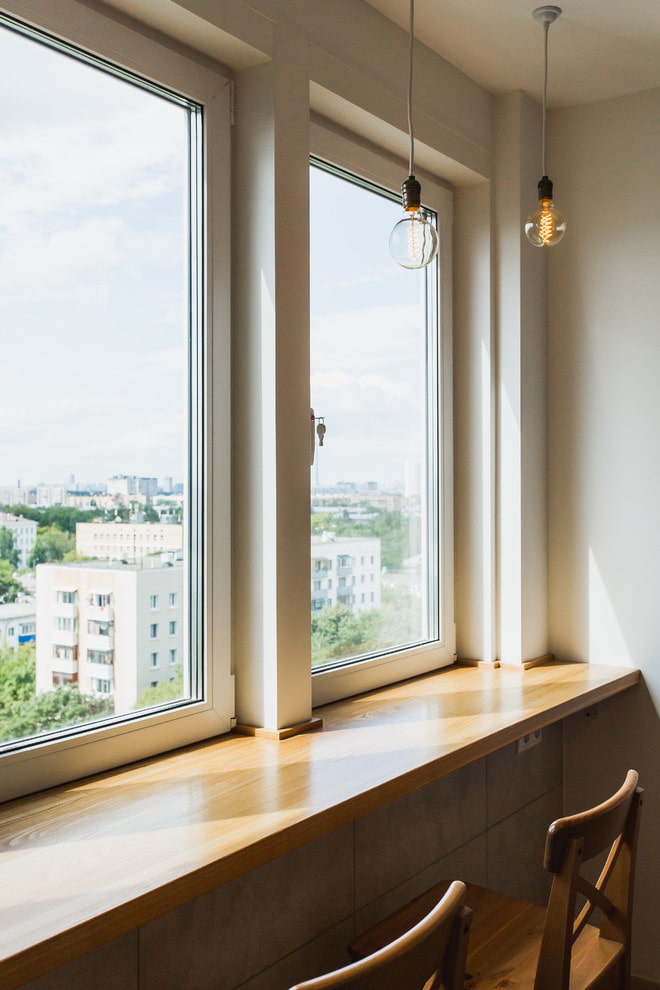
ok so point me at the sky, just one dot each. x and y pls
(92, 248)
(93, 192)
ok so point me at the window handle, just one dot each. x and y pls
(317, 426)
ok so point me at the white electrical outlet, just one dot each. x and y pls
(533, 739)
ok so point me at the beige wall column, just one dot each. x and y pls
(271, 415)
(521, 336)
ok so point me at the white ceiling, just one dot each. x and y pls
(596, 49)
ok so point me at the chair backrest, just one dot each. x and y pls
(435, 949)
(570, 842)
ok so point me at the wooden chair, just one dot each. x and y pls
(519, 945)
(430, 955)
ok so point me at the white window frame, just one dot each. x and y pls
(44, 764)
(338, 148)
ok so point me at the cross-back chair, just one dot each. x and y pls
(428, 956)
(524, 946)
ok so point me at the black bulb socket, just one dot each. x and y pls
(545, 188)
(411, 194)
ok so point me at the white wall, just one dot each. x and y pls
(604, 468)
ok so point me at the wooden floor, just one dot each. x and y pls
(91, 860)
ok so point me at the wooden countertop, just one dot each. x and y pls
(87, 861)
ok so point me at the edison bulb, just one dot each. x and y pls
(545, 226)
(414, 241)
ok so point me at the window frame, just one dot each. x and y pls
(337, 147)
(90, 750)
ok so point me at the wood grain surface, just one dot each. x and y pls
(88, 861)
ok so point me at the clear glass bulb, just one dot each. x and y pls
(414, 241)
(545, 225)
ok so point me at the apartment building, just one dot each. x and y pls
(129, 485)
(127, 541)
(18, 623)
(113, 629)
(345, 571)
(24, 532)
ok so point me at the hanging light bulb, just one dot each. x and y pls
(545, 225)
(414, 239)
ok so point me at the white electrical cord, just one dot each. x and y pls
(410, 85)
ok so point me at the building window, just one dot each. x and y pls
(173, 656)
(101, 685)
(153, 601)
(65, 623)
(100, 656)
(173, 599)
(173, 628)
(153, 630)
(154, 660)
(67, 597)
(96, 628)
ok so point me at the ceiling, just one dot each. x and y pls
(596, 49)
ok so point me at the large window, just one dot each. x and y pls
(374, 385)
(108, 337)
(380, 583)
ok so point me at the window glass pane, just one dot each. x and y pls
(97, 259)
(374, 585)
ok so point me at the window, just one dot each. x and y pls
(100, 600)
(66, 624)
(100, 656)
(96, 628)
(154, 659)
(153, 630)
(173, 655)
(172, 628)
(153, 601)
(380, 378)
(112, 171)
(101, 685)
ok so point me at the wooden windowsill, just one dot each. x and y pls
(89, 861)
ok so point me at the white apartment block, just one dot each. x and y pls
(18, 623)
(14, 495)
(345, 571)
(127, 485)
(24, 532)
(113, 629)
(127, 541)
(49, 495)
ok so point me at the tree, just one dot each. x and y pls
(25, 713)
(51, 545)
(150, 515)
(165, 691)
(66, 517)
(8, 550)
(10, 588)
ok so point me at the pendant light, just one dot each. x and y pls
(413, 241)
(545, 226)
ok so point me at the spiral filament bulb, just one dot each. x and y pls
(414, 241)
(545, 226)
